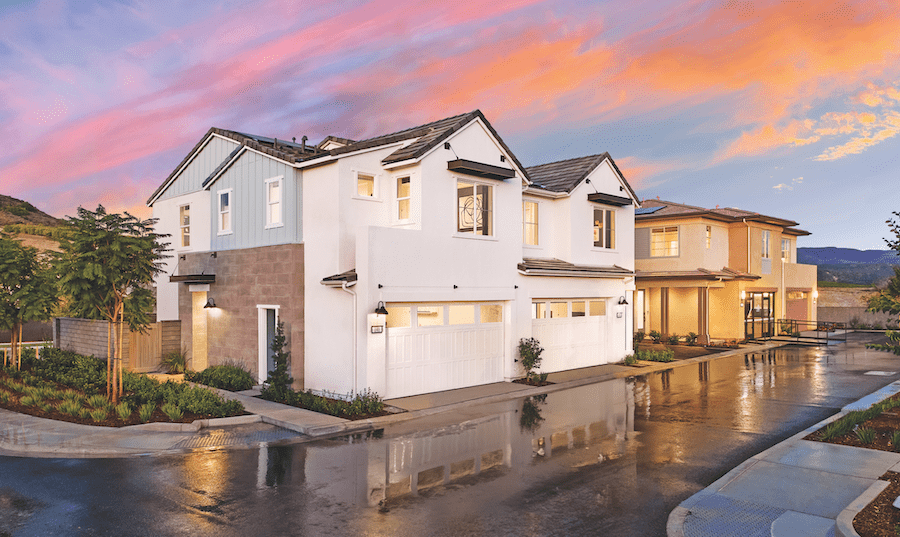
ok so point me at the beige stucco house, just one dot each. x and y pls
(724, 274)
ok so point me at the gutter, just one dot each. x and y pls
(571, 274)
(748, 245)
(346, 287)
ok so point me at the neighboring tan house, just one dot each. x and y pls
(720, 273)
(439, 226)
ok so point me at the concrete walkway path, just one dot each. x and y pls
(796, 488)
(25, 435)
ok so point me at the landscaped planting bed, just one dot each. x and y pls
(362, 406)
(69, 387)
(880, 518)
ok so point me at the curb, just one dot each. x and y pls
(844, 523)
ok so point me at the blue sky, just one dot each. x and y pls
(790, 109)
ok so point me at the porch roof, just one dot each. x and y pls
(338, 279)
(557, 267)
(698, 274)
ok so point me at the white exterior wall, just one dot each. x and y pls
(167, 211)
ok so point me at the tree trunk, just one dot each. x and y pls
(19, 346)
(13, 342)
(109, 333)
(121, 342)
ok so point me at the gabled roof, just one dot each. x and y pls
(565, 175)
(669, 209)
(699, 274)
(556, 267)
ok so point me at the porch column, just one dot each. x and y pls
(199, 358)
(703, 315)
(664, 310)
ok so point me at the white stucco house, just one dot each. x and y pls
(439, 225)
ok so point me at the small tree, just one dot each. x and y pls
(530, 357)
(888, 299)
(109, 264)
(279, 380)
(27, 290)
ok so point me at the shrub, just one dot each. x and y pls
(28, 400)
(866, 435)
(123, 410)
(895, 440)
(673, 339)
(655, 336)
(638, 338)
(174, 362)
(631, 360)
(173, 411)
(656, 356)
(97, 401)
(69, 407)
(530, 356)
(278, 383)
(691, 338)
(229, 377)
(146, 412)
(98, 414)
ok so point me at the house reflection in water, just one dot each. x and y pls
(402, 463)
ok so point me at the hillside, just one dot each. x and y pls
(16, 211)
(848, 265)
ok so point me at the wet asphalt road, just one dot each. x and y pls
(607, 459)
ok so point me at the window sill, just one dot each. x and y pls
(367, 198)
(533, 246)
(273, 226)
(604, 250)
(472, 236)
(224, 233)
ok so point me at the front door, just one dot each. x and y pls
(759, 317)
(268, 319)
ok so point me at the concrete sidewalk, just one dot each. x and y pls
(796, 488)
(24, 435)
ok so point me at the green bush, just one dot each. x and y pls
(146, 412)
(655, 336)
(123, 410)
(673, 339)
(691, 338)
(279, 380)
(631, 360)
(530, 357)
(84, 373)
(639, 336)
(866, 435)
(656, 356)
(175, 362)
(70, 407)
(173, 411)
(226, 377)
(98, 414)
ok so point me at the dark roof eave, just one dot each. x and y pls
(480, 169)
(193, 278)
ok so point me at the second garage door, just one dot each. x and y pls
(435, 347)
(572, 332)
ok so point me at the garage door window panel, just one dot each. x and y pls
(577, 308)
(538, 310)
(399, 317)
(462, 314)
(491, 313)
(559, 309)
(597, 308)
(430, 315)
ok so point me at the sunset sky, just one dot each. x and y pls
(789, 108)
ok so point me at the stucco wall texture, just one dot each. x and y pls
(269, 275)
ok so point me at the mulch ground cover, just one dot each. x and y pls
(528, 382)
(884, 425)
(880, 518)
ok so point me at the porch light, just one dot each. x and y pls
(622, 301)
(210, 303)
(743, 295)
(381, 310)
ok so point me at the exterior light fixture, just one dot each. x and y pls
(743, 295)
(210, 303)
(381, 310)
(622, 301)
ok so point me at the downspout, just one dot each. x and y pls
(346, 288)
(748, 245)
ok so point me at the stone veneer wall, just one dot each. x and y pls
(88, 337)
(271, 275)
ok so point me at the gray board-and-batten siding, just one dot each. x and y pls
(208, 159)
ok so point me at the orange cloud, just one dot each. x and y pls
(768, 138)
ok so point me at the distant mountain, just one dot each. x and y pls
(16, 211)
(848, 265)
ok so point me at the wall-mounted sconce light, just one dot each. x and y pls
(214, 255)
(381, 310)
(210, 303)
(622, 301)
(743, 295)
(502, 158)
(815, 296)
(182, 257)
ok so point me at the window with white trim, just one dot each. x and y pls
(604, 228)
(404, 193)
(530, 223)
(184, 223)
(365, 185)
(474, 208)
(225, 211)
(766, 239)
(664, 241)
(786, 250)
(273, 202)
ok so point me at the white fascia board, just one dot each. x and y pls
(225, 168)
(567, 274)
(531, 191)
(331, 158)
(183, 166)
(612, 168)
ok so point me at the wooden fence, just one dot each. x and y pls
(141, 352)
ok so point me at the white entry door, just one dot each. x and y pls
(436, 347)
(572, 332)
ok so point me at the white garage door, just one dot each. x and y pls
(435, 347)
(572, 332)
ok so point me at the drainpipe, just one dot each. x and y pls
(346, 288)
(748, 245)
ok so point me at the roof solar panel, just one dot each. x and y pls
(648, 210)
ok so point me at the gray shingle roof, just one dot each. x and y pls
(565, 175)
(728, 214)
(549, 267)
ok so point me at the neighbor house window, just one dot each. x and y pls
(604, 228)
(786, 250)
(708, 236)
(184, 219)
(273, 202)
(474, 208)
(403, 195)
(225, 211)
(664, 241)
(365, 185)
(530, 223)
(765, 244)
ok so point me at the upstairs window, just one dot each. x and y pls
(474, 208)
(530, 223)
(708, 236)
(404, 191)
(365, 185)
(664, 241)
(224, 211)
(786, 250)
(184, 219)
(765, 244)
(273, 202)
(604, 228)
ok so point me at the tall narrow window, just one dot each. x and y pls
(184, 218)
(273, 202)
(664, 241)
(365, 185)
(474, 208)
(604, 228)
(765, 244)
(530, 223)
(708, 236)
(786, 250)
(403, 195)
(225, 211)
